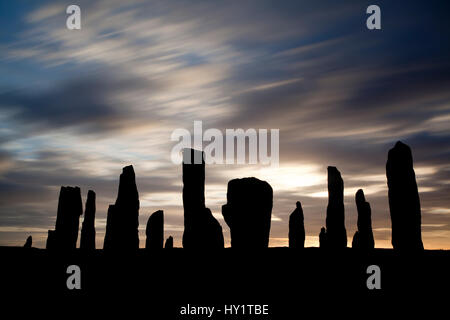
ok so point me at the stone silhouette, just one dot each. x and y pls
(323, 238)
(404, 202)
(169, 243)
(335, 221)
(70, 209)
(110, 228)
(201, 229)
(155, 231)
(248, 212)
(297, 228)
(123, 218)
(51, 240)
(87, 241)
(363, 238)
(29, 243)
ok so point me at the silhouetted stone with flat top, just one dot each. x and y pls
(29, 242)
(70, 209)
(123, 218)
(87, 241)
(296, 228)
(248, 212)
(169, 243)
(363, 238)
(155, 231)
(404, 202)
(335, 222)
(201, 229)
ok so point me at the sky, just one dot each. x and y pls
(78, 105)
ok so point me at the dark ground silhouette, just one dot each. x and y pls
(292, 282)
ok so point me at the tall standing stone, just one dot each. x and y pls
(297, 228)
(335, 221)
(363, 238)
(127, 207)
(201, 229)
(70, 208)
(155, 231)
(404, 202)
(123, 217)
(87, 241)
(248, 212)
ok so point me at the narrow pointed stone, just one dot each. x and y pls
(335, 222)
(363, 238)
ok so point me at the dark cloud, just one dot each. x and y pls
(88, 104)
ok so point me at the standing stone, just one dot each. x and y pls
(88, 230)
(201, 229)
(363, 238)
(127, 208)
(51, 240)
(70, 208)
(404, 202)
(29, 243)
(155, 231)
(248, 212)
(123, 218)
(297, 228)
(110, 227)
(335, 221)
(323, 238)
(169, 243)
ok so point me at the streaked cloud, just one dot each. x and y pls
(75, 107)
